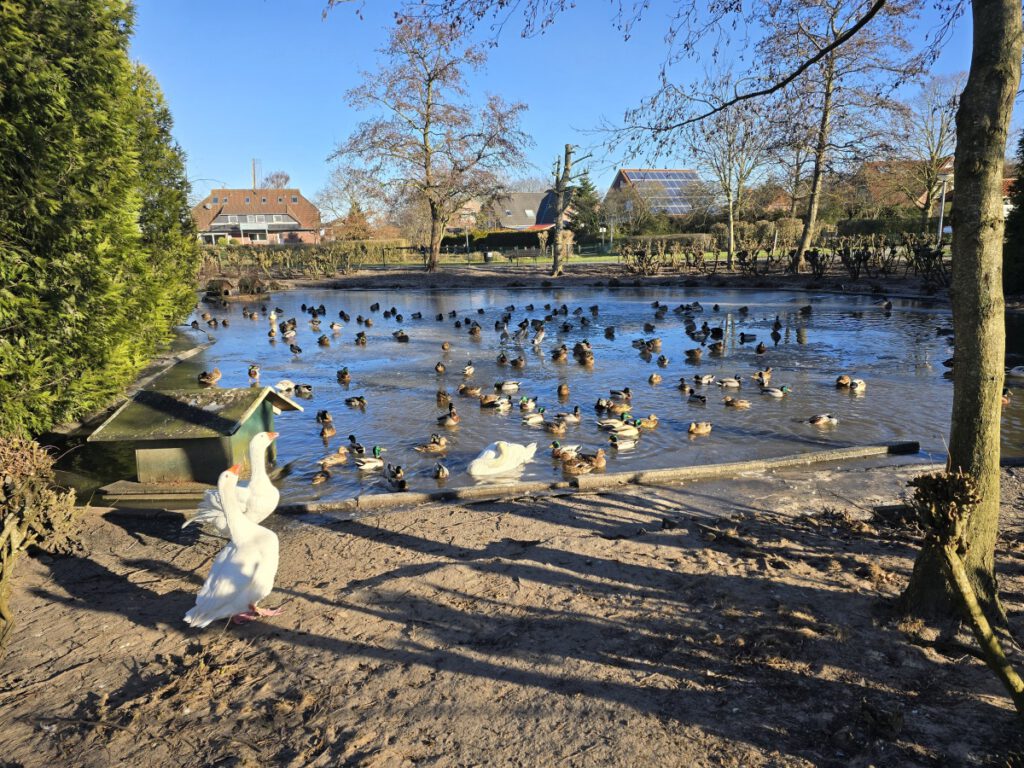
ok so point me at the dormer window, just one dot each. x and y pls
(225, 198)
(247, 200)
(215, 199)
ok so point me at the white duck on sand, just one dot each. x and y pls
(257, 500)
(243, 572)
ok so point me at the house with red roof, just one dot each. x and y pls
(257, 217)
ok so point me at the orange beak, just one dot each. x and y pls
(273, 435)
(235, 469)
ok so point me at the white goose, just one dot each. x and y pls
(257, 500)
(501, 458)
(243, 572)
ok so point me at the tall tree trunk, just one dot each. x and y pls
(820, 153)
(436, 235)
(562, 181)
(982, 123)
(926, 211)
(732, 234)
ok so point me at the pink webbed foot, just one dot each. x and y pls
(265, 611)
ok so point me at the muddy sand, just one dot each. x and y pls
(748, 622)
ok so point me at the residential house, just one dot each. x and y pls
(663, 190)
(257, 217)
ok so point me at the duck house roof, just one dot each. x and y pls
(186, 414)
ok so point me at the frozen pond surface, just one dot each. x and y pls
(899, 354)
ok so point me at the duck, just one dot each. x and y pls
(843, 381)
(560, 355)
(361, 339)
(323, 341)
(258, 499)
(609, 424)
(467, 369)
(733, 402)
(556, 427)
(534, 419)
(358, 401)
(563, 391)
(622, 442)
(441, 471)
(371, 462)
(209, 378)
(563, 452)
(776, 391)
(438, 444)
(576, 466)
(602, 404)
(468, 391)
(304, 390)
(519, 362)
(401, 337)
(322, 476)
(734, 382)
(285, 385)
(324, 417)
(450, 419)
(649, 422)
(527, 403)
(501, 458)
(254, 372)
(624, 394)
(440, 367)
(445, 346)
(442, 398)
(763, 377)
(654, 378)
(340, 456)
(507, 386)
(328, 431)
(335, 326)
(393, 473)
(598, 459)
(858, 386)
(702, 380)
(572, 417)
(295, 349)
(662, 361)
(823, 420)
(355, 446)
(243, 572)
(1007, 396)
(344, 377)
(699, 428)
(695, 397)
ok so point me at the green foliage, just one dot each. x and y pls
(32, 513)
(585, 216)
(97, 253)
(1013, 248)
(880, 226)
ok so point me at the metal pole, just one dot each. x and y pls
(942, 209)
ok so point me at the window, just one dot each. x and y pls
(260, 217)
(280, 199)
(225, 198)
(263, 200)
(508, 213)
(247, 200)
(232, 219)
(257, 236)
(295, 198)
(215, 198)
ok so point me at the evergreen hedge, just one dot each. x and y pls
(97, 246)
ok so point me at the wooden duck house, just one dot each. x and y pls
(191, 436)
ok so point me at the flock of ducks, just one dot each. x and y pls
(615, 413)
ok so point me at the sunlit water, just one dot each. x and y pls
(899, 354)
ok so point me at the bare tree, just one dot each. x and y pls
(730, 149)
(426, 140)
(563, 188)
(927, 140)
(528, 184)
(276, 180)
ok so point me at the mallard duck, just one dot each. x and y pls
(322, 476)
(609, 424)
(703, 380)
(763, 377)
(624, 394)
(761, 348)
(344, 377)
(534, 419)
(468, 391)
(328, 431)
(527, 403)
(450, 419)
(304, 390)
(823, 420)
(324, 417)
(295, 349)
(355, 447)
(573, 417)
(340, 456)
(730, 382)
(649, 422)
(271, 334)
(323, 341)
(556, 427)
(371, 462)
(619, 408)
(622, 443)
(335, 326)
(858, 386)
(654, 378)
(602, 404)
(843, 381)
(563, 391)
(359, 401)
(467, 369)
(598, 459)
(438, 444)
(519, 362)
(776, 391)
(254, 371)
(563, 452)
(393, 473)
(662, 361)
(576, 466)
(442, 398)
(209, 378)
(626, 429)
(694, 354)
(1007, 396)
(441, 471)
(445, 346)
(560, 355)
(401, 337)
(699, 428)
(507, 386)
(733, 402)
(694, 397)
(440, 367)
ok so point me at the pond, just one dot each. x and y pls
(898, 353)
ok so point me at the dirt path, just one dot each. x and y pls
(747, 623)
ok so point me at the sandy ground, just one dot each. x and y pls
(740, 623)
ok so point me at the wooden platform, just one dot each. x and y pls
(130, 493)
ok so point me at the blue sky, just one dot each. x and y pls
(266, 79)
